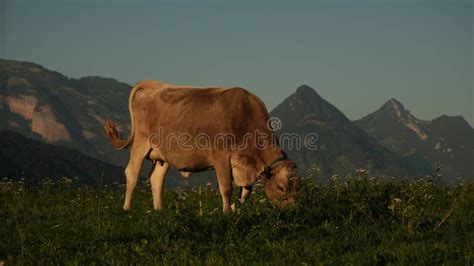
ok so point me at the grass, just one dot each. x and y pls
(351, 221)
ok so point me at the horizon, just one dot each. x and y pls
(417, 53)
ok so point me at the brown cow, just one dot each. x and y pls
(196, 129)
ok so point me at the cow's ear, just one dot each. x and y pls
(266, 172)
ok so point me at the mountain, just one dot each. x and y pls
(21, 157)
(342, 146)
(47, 106)
(445, 142)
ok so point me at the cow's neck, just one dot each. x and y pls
(270, 155)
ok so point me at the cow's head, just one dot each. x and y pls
(280, 178)
(282, 183)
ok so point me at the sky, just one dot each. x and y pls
(356, 54)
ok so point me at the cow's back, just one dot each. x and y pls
(170, 111)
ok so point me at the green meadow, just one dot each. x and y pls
(356, 220)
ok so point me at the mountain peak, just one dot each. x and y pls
(393, 110)
(305, 105)
(303, 88)
(306, 91)
(394, 107)
(308, 95)
(394, 104)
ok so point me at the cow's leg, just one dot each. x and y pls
(137, 154)
(224, 178)
(157, 179)
(245, 193)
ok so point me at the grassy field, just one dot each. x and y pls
(352, 221)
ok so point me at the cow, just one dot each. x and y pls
(195, 129)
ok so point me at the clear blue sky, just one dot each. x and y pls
(356, 54)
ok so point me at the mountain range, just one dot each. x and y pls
(343, 146)
(49, 107)
(447, 142)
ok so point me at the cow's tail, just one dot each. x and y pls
(111, 128)
(114, 137)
